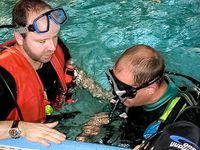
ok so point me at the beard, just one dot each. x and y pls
(40, 58)
(28, 52)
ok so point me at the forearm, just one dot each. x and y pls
(4, 129)
(36, 132)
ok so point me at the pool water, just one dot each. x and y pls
(97, 32)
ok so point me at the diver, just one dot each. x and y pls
(151, 98)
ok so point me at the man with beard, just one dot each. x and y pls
(32, 73)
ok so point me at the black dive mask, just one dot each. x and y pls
(124, 91)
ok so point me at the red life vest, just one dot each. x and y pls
(30, 92)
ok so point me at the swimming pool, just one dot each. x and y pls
(97, 32)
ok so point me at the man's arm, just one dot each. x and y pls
(35, 132)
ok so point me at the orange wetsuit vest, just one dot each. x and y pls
(30, 92)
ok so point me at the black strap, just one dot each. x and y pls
(185, 98)
(189, 98)
(15, 124)
(13, 97)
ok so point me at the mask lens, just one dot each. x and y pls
(120, 89)
(59, 16)
(41, 24)
(121, 85)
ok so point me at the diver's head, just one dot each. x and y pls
(137, 75)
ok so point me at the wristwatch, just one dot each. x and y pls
(14, 131)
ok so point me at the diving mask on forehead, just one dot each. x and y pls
(41, 24)
(124, 91)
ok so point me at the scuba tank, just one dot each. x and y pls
(69, 71)
(70, 76)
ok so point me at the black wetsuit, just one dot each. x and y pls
(133, 127)
(136, 124)
(139, 119)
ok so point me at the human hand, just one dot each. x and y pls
(41, 133)
(137, 147)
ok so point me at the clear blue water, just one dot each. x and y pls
(98, 31)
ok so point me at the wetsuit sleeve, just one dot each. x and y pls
(6, 100)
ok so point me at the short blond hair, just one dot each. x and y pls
(143, 61)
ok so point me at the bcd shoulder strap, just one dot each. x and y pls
(186, 101)
(189, 98)
(192, 111)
